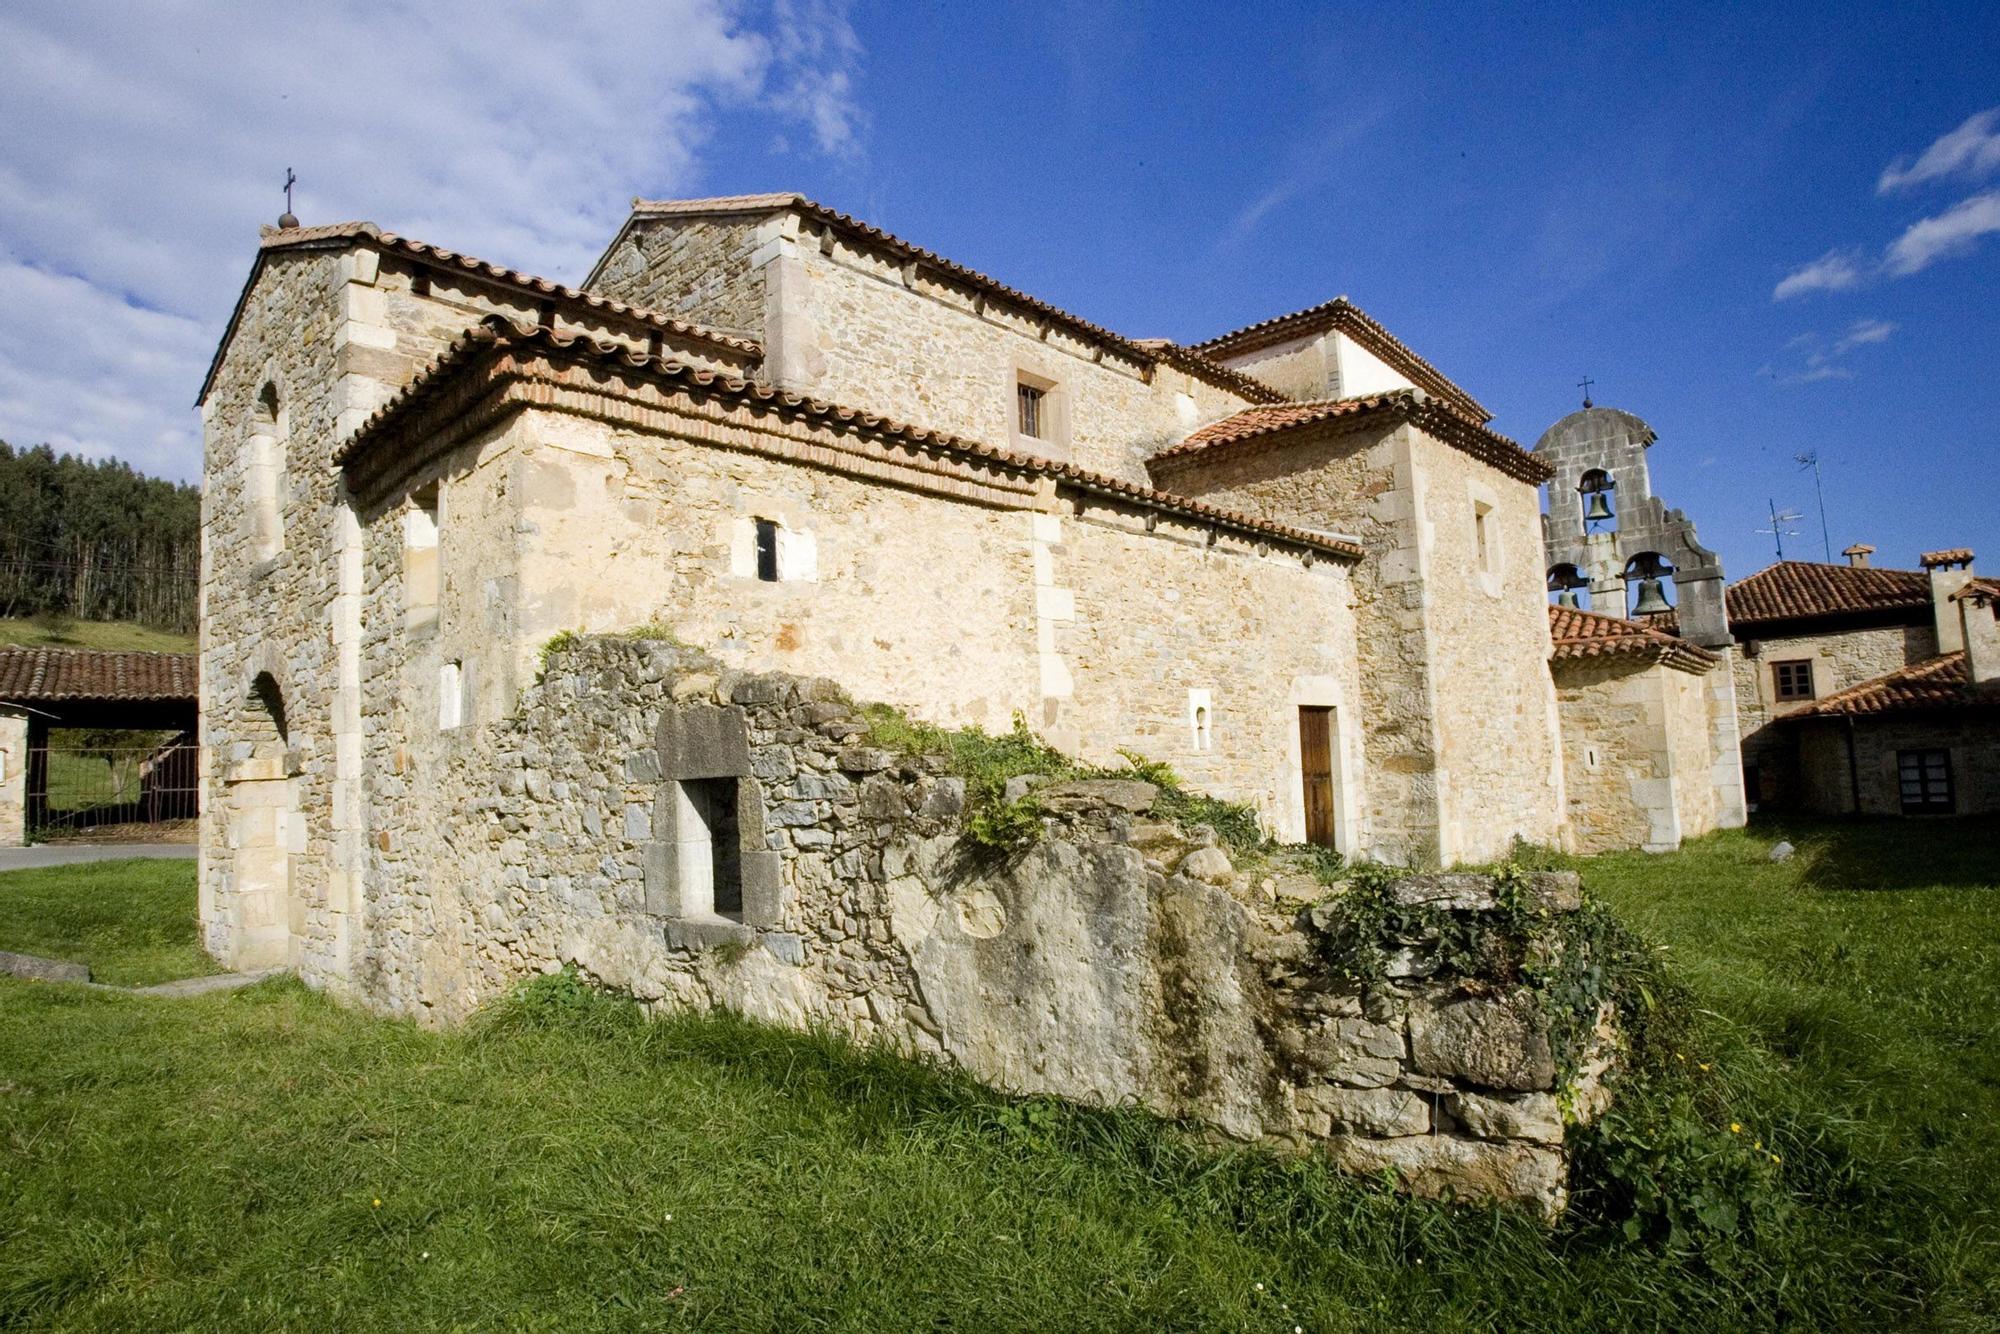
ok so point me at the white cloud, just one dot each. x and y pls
(1952, 232)
(1834, 271)
(1972, 150)
(1821, 362)
(146, 143)
(1863, 332)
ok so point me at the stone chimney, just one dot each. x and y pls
(1950, 571)
(1858, 554)
(1979, 626)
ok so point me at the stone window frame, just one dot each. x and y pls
(1489, 546)
(1201, 720)
(1054, 441)
(265, 449)
(703, 743)
(423, 556)
(795, 547)
(1784, 693)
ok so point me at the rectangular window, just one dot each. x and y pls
(451, 695)
(709, 848)
(1792, 680)
(420, 557)
(1480, 525)
(1925, 779)
(1032, 402)
(767, 551)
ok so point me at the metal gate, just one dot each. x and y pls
(121, 786)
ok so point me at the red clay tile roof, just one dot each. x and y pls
(1582, 635)
(1350, 319)
(340, 234)
(1949, 556)
(1147, 351)
(29, 674)
(1935, 683)
(496, 333)
(1795, 590)
(1411, 405)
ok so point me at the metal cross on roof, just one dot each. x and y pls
(291, 179)
(1584, 384)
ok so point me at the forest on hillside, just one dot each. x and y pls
(96, 540)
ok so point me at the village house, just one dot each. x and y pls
(1869, 690)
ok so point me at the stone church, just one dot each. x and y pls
(1293, 561)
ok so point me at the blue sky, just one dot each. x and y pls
(1524, 197)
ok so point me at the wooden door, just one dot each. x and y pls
(1316, 766)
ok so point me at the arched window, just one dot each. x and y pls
(264, 476)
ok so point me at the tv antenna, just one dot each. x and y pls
(1778, 532)
(1810, 459)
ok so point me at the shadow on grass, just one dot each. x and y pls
(1858, 855)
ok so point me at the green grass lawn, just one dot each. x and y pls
(92, 634)
(131, 921)
(266, 1159)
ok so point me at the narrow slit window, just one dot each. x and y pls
(451, 695)
(1482, 535)
(1032, 403)
(767, 551)
(420, 557)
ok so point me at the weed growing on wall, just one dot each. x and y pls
(986, 762)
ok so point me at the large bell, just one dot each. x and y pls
(1599, 509)
(1566, 598)
(1652, 597)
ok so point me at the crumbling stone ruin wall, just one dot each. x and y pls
(700, 836)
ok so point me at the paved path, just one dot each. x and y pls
(69, 854)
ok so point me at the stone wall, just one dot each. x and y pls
(856, 324)
(697, 269)
(1458, 716)
(1636, 742)
(1094, 621)
(1108, 963)
(1829, 775)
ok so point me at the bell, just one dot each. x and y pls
(1652, 597)
(1600, 508)
(1566, 598)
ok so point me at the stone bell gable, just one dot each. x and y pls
(1597, 458)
